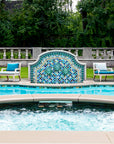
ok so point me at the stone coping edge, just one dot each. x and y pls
(57, 137)
(88, 83)
(57, 97)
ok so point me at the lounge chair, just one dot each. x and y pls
(13, 69)
(101, 69)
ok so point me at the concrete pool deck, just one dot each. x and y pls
(57, 137)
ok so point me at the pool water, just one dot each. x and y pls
(82, 117)
(95, 89)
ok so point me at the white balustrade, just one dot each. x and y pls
(88, 54)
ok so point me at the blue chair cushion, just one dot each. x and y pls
(12, 66)
(104, 72)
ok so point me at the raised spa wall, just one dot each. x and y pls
(57, 67)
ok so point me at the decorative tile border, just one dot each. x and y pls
(57, 67)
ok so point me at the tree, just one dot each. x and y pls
(6, 37)
(97, 21)
(38, 22)
(53, 23)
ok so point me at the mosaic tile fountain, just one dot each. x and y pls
(57, 67)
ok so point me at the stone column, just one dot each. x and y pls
(36, 52)
(87, 53)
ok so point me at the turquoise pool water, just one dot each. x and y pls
(95, 89)
(83, 117)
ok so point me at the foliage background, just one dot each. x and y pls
(50, 24)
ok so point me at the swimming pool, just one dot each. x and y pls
(83, 117)
(92, 89)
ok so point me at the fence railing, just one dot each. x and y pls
(88, 53)
(26, 55)
(15, 53)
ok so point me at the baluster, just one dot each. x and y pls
(26, 53)
(112, 54)
(76, 52)
(4, 56)
(19, 53)
(11, 53)
(104, 52)
(97, 53)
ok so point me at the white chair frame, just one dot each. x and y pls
(100, 75)
(11, 73)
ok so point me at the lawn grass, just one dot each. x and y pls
(89, 73)
(24, 72)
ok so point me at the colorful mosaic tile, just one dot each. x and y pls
(57, 67)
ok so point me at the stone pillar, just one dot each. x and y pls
(87, 53)
(36, 52)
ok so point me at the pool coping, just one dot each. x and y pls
(57, 137)
(56, 97)
(28, 83)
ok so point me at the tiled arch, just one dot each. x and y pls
(57, 67)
